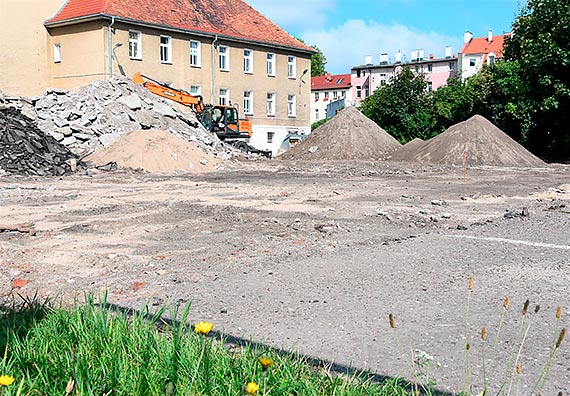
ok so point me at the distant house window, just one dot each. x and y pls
(316, 114)
(491, 59)
(366, 92)
(247, 61)
(270, 64)
(316, 96)
(135, 45)
(270, 136)
(165, 49)
(358, 73)
(271, 103)
(417, 69)
(430, 68)
(291, 66)
(195, 58)
(224, 58)
(358, 91)
(291, 105)
(472, 62)
(326, 96)
(451, 66)
(224, 96)
(195, 90)
(57, 53)
(429, 86)
(335, 95)
(248, 102)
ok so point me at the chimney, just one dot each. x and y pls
(448, 52)
(384, 59)
(421, 54)
(414, 55)
(398, 57)
(431, 56)
(368, 60)
(467, 36)
(490, 35)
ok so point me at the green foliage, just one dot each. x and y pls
(318, 62)
(402, 107)
(318, 123)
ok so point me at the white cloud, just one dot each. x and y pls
(347, 45)
(296, 15)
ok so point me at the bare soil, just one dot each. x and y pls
(313, 257)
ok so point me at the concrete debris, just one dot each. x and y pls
(511, 214)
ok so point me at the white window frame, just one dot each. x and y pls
(270, 102)
(166, 49)
(196, 90)
(291, 105)
(248, 61)
(271, 64)
(135, 45)
(224, 57)
(472, 62)
(57, 53)
(248, 102)
(224, 96)
(291, 66)
(430, 68)
(195, 54)
(316, 114)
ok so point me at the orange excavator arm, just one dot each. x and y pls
(177, 95)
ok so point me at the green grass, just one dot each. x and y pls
(91, 350)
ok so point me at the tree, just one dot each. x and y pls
(402, 107)
(540, 46)
(318, 62)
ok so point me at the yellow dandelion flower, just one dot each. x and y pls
(6, 380)
(265, 362)
(251, 388)
(203, 327)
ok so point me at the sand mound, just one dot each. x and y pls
(481, 141)
(408, 151)
(348, 135)
(154, 151)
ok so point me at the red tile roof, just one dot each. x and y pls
(230, 18)
(480, 45)
(328, 81)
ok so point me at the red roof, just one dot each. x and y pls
(230, 18)
(329, 81)
(481, 45)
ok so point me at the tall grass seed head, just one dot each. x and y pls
(6, 380)
(203, 327)
(537, 308)
(519, 369)
(484, 333)
(265, 362)
(392, 321)
(558, 312)
(468, 346)
(525, 307)
(471, 281)
(507, 302)
(560, 338)
(251, 388)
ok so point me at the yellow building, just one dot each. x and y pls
(224, 50)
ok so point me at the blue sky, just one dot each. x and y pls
(347, 31)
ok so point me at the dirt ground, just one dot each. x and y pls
(313, 257)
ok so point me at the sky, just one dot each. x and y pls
(347, 31)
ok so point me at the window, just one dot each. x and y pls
(224, 57)
(135, 45)
(335, 95)
(270, 64)
(195, 55)
(291, 105)
(271, 103)
(472, 62)
(358, 91)
(451, 66)
(326, 96)
(358, 73)
(316, 96)
(491, 59)
(366, 92)
(165, 49)
(316, 114)
(430, 68)
(247, 61)
(248, 102)
(291, 66)
(429, 86)
(196, 90)
(224, 96)
(57, 53)
(270, 136)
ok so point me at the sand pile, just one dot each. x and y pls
(154, 151)
(407, 151)
(348, 135)
(481, 141)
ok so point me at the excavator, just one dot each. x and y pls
(219, 119)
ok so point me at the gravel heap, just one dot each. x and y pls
(349, 135)
(408, 150)
(480, 141)
(95, 115)
(26, 150)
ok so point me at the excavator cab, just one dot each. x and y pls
(224, 122)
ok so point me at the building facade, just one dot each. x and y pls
(369, 77)
(329, 94)
(478, 51)
(223, 50)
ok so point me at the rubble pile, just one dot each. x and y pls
(26, 150)
(95, 115)
(349, 135)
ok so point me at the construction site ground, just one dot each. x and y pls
(312, 257)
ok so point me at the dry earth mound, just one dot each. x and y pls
(480, 141)
(154, 151)
(407, 151)
(348, 135)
